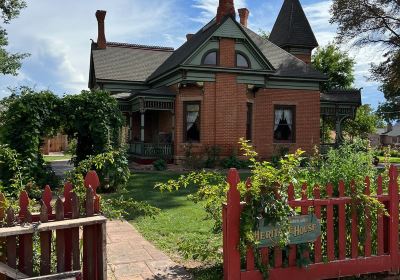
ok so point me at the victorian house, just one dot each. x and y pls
(224, 83)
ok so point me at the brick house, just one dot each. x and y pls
(225, 82)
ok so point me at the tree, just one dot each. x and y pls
(365, 22)
(94, 119)
(366, 122)
(9, 63)
(264, 34)
(336, 64)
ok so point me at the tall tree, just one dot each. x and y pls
(10, 63)
(366, 121)
(336, 64)
(366, 22)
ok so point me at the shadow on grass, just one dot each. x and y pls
(214, 272)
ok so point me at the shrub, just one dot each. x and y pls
(234, 162)
(112, 168)
(212, 153)
(192, 160)
(160, 165)
(13, 176)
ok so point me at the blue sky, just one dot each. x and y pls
(57, 35)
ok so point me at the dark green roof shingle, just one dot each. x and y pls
(128, 62)
(292, 28)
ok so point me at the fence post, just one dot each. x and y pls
(394, 219)
(231, 228)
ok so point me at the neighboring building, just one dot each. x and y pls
(224, 83)
(389, 136)
(56, 144)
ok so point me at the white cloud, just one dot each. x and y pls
(57, 34)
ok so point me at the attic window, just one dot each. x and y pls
(210, 58)
(242, 61)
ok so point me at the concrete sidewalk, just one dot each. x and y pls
(130, 256)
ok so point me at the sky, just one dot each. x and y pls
(57, 35)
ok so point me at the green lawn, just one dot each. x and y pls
(181, 226)
(54, 158)
(395, 160)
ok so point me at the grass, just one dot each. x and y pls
(395, 160)
(181, 229)
(54, 158)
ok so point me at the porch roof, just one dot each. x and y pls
(153, 92)
(352, 96)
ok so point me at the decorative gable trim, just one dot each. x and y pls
(229, 29)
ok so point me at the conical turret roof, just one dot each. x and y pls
(292, 28)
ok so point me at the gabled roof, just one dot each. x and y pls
(292, 28)
(184, 51)
(286, 64)
(393, 133)
(127, 62)
(138, 63)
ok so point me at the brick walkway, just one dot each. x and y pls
(130, 256)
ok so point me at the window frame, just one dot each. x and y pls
(185, 104)
(206, 54)
(249, 121)
(245, 57)
(294, 128)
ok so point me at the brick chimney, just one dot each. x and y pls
(101, 37)
(189, 36)
(244, 16)
(225, 8)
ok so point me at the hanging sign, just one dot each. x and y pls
(303, 229)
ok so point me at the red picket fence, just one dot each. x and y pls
(61, 224)
(339, 263)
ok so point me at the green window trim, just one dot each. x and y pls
(205, 56)
(240, 54)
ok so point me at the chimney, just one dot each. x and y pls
(101, 37)
(244, 16)
(189, 36)
(225, 8)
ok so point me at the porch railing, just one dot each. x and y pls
(152, 150)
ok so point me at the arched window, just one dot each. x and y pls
(210, 58)
(242, 61)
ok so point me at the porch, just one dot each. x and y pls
(337, 106)
(150, 124)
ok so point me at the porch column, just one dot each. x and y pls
(142, 126)
(173, 126)
(339, 136)
(130, 126)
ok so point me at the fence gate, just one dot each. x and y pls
(61, 241)
(340, 259)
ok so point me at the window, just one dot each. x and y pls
(192, 122)
(249, 124)
(242, 61)
(284, 125)
(210, 58)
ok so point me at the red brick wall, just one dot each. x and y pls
(305, 57)
(307, 119)
(227, 57)
(224, 112)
